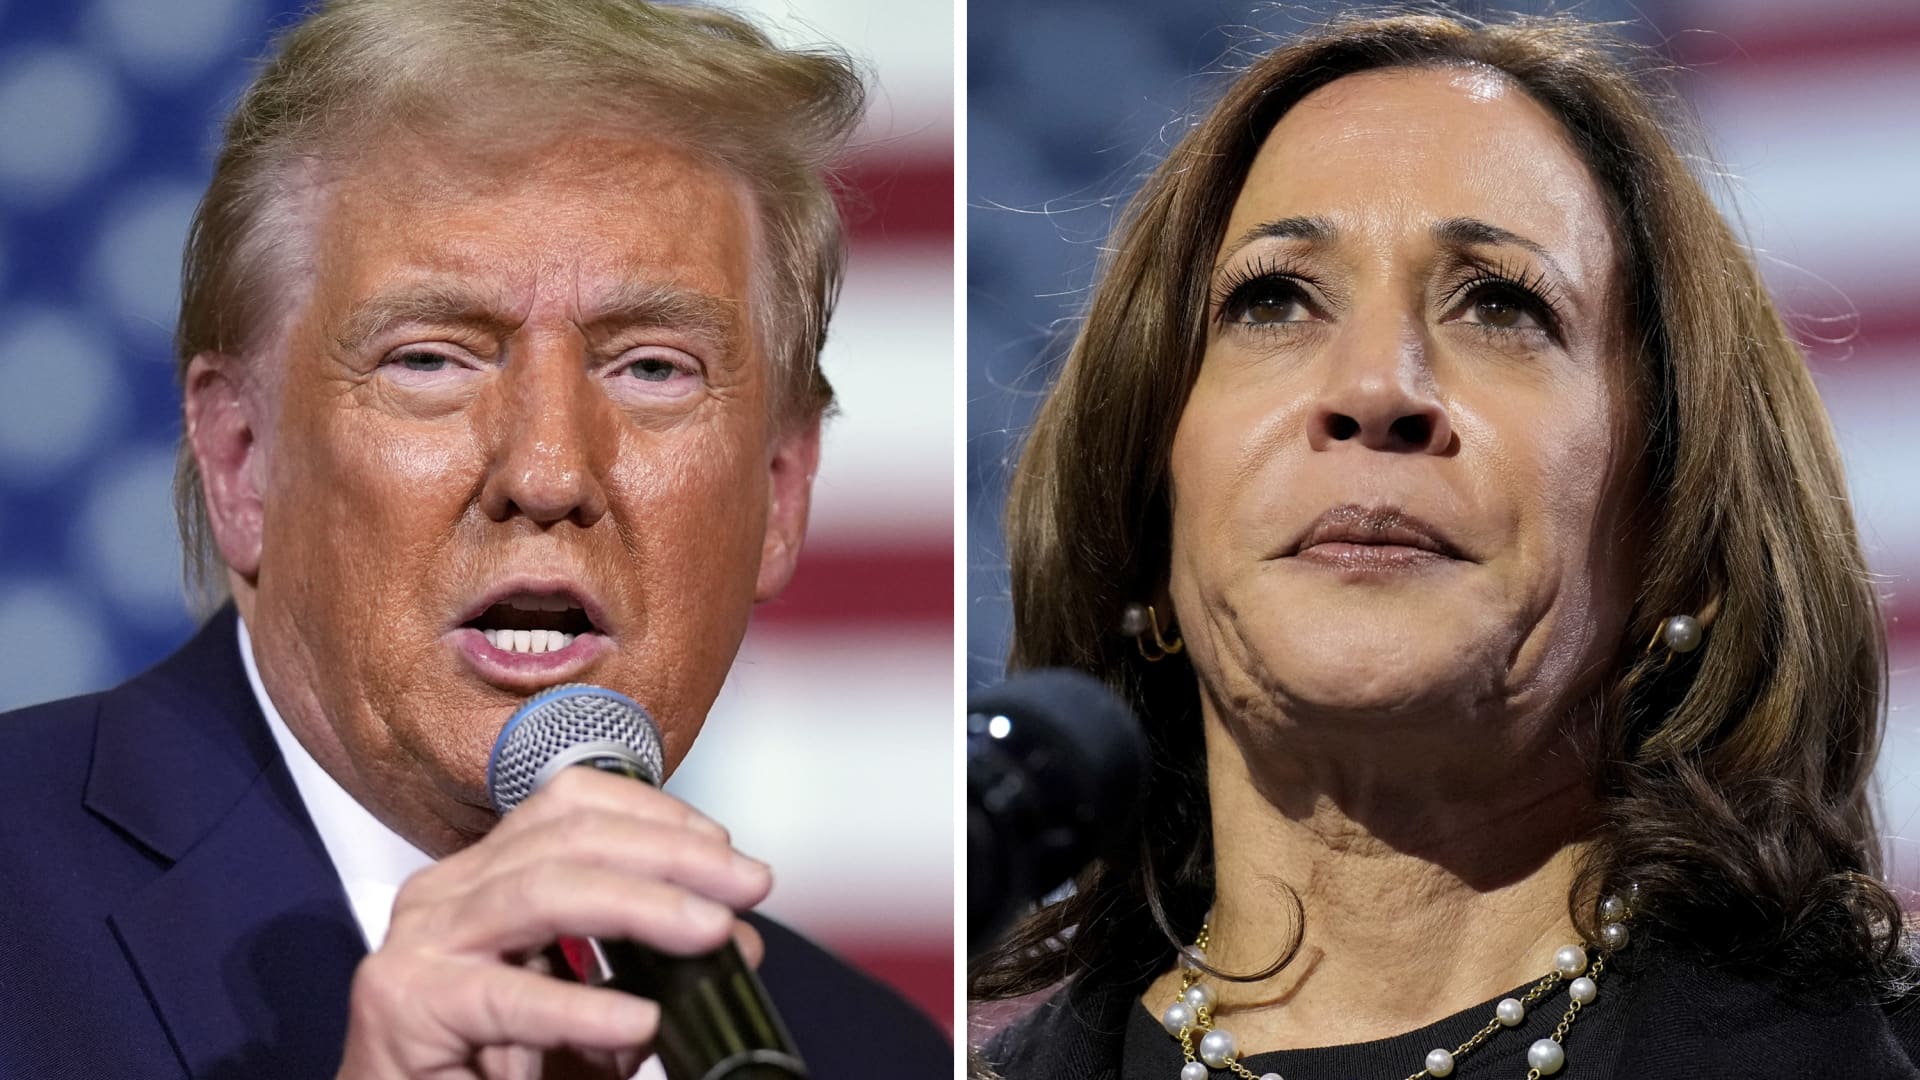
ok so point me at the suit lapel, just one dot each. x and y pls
(245, 942)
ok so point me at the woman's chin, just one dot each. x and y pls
(1420, 673)
(1370, 695)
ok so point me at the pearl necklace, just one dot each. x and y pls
(1192, 1011)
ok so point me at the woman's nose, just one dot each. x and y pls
(1379, 392)
(548, 448)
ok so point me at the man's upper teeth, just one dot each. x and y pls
(540, 603)
(528, 641)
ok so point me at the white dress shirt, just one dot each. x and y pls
(371, 859)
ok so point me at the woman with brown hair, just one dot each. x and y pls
(1434, 474)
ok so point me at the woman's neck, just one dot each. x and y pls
(1427, 881)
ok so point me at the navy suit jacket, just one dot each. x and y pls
(167, 909)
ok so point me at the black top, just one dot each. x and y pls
(1653, 1020)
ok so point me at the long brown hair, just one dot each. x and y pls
(1735, 785)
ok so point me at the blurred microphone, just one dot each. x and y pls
(716, 1022)
(1055, 766)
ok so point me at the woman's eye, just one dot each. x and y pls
(1266, 303)
(1503, 309)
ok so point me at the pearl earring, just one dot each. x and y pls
(1138, 621)
(1681, 633)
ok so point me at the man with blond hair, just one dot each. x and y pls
(499, 351)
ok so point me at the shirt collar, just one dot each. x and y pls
(371, 859)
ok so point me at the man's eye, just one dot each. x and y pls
(422, 361)
(652, 369)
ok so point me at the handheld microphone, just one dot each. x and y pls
(1055, 766)
(716, 1022)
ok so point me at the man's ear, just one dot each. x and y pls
(796, 454)
(221, 428)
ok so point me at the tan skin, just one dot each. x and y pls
(1395, 734)
(482, 381)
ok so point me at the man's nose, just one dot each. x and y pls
(551, 444)
(1378, 391)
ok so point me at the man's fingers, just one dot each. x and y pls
(521, 912)
(572, 805)
(509, 1006)
(482, 1004)
(590, 855)
(643, 849)
(753, 948)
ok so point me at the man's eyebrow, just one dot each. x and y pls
(699, 314)
(636, 304)
(431, 302)
(1466, 232)
(1311, 229)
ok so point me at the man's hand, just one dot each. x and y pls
(458, 990)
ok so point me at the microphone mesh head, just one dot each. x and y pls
(557, 720)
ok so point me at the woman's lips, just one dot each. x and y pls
(528, 670)
(1370, 558)
(1382, 537)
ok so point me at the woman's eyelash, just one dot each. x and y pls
(1234, 290)
(1271, 279)
(1531, 287)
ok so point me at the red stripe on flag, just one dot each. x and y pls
(1884, 329)
(1794, 42)
(843, 584)
(1903, 627)
(899, 199)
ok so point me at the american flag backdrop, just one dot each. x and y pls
(830, 753)
(1813, 111)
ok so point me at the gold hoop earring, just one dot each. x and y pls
(1139, 621)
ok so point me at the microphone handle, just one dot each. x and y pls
(716, 1022)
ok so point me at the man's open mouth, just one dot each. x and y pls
(533, 623)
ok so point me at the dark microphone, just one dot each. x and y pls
(716, 1022)
(1055, 766)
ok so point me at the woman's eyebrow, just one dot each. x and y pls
(1460, 233)
(1454, 232)
(1311, 229)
